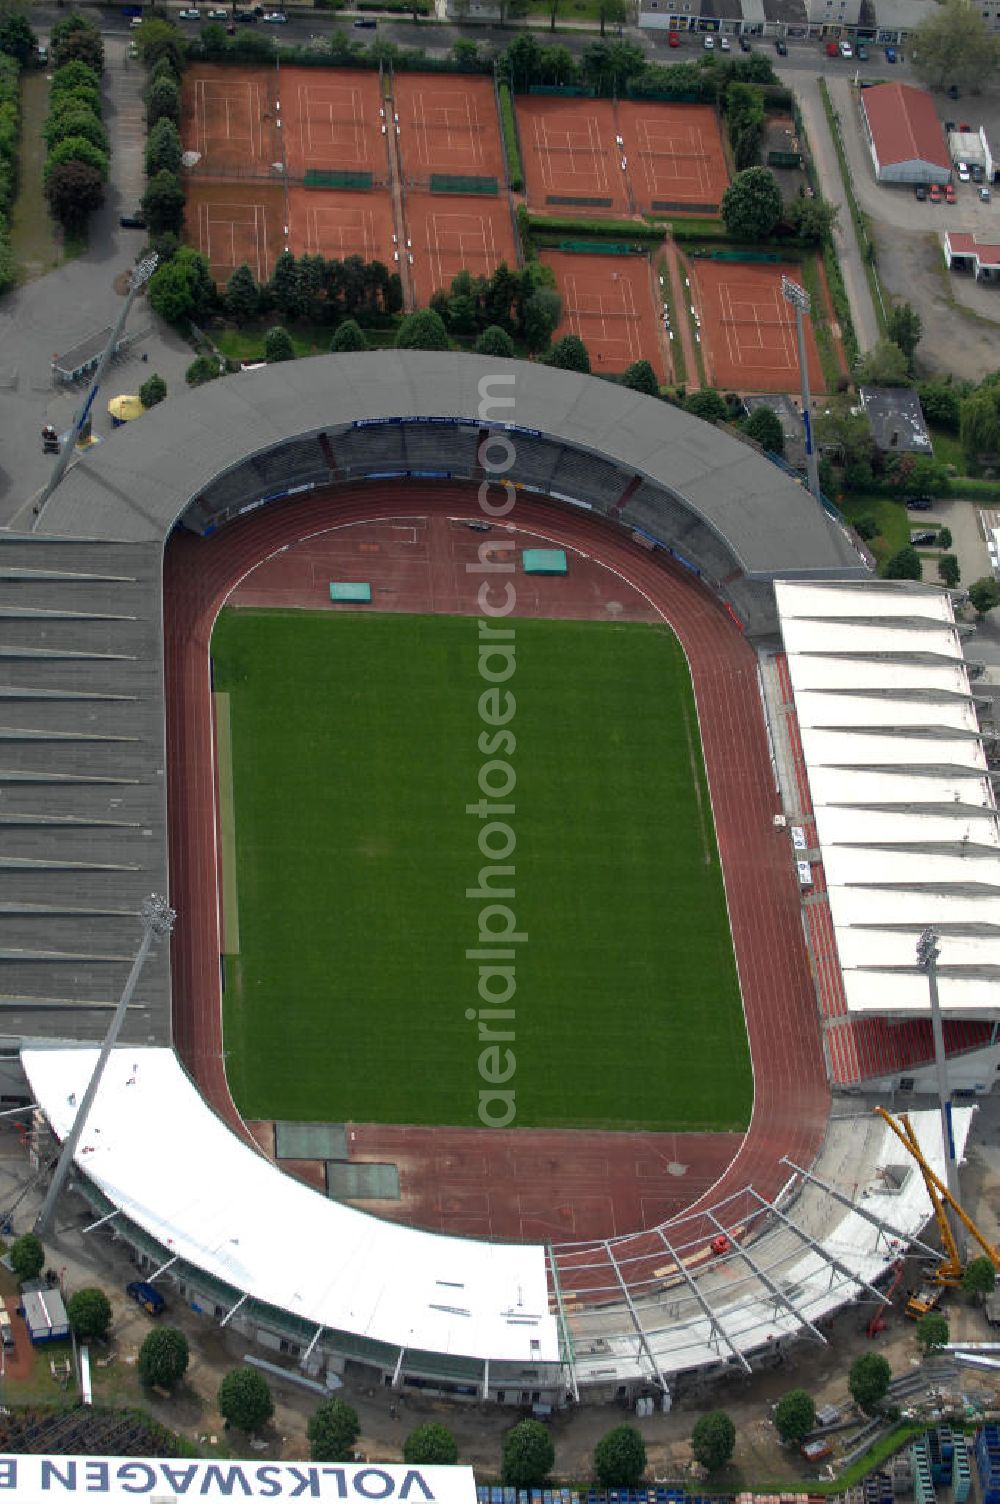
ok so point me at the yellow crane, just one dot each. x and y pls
(949, 1271)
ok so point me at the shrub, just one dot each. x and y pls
(423, 330)
(27, 1256)
(89, 1313)
(349, 336)
(163, 1357)
(904, 565)
(163, 148)
(430, 1445)
(163, 204)
(74, 190)
(278, 345)
(764, 425)
(203, 368)
(74, 119)
(332, 1431)
(153, 390)
(494, 341)
(706, 404)
(570, 354)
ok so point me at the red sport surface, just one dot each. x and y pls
(609, 302)
(675, 155)
(748, 330)
(447, 125)
(570, 156)
(448, 234)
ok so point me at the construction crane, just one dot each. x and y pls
(948, 1273)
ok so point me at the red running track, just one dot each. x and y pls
(571, 1189)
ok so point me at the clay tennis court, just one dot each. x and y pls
(748, 330)
(674, 154)
(336, 224)
(448, 234)
(331, 121)
(608, 302)
(229, 116)
(233, 222)
(447, 125)
(570, 156)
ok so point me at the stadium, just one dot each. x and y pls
(844, 774)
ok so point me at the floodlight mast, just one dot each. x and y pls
(157, 921)
(141, 274)
(799, 299)
(928, 952)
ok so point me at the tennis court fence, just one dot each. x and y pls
(276, 173)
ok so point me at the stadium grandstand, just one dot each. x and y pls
(877, 759)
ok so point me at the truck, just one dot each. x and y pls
(146, 1296)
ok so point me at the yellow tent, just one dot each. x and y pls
(124, 409)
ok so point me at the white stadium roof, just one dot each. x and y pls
(906, 820)
(158, 1153)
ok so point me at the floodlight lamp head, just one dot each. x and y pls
(143, 270)
(927, 950)
(794, 294)
(157, 915)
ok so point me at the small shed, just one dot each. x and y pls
(967, 146)
(45, 1316)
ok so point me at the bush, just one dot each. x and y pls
(89, 1313)
(512, 152)
(527, 1455)
(494, 341)
(163, 1357)
(984, 594)
(74, 119)
(640, 377)
(430, 1445)
(932, 1331)
(153, 390)
(244, 1399)
(423, 330)
(27, 1256)
(713, 1440)
(706, 404)
(332, 1431)
(620, 1458)
(349, 336)
(242, 298)
(278, 345)
(867, 527)
(203, 368)
(944, 537)
(904, 565)
(570, 354)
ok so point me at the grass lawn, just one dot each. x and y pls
(354, 749)
(248, 343)
(893, 520)
(948, 449)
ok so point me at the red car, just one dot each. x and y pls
(949, 194)
(934, 193)
(832, 50)
(673, 39)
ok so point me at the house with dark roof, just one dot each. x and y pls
(964, 253)
(897, 419)
(904, 134)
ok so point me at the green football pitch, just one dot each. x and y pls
(354, 753)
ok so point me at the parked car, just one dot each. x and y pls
(781, 46)
(922, 537)
(246, 16)
(861, 52)
(952, 91)
(133, 221)
(275, 17)
(962, 168)
(365, 24)
(832, 50)
(949, 193)
(890, 54)
(709, 42)
(921, 193)
(976, 171)
(147, 1296)
(984, 194)
(191, 14)
(725, 45)
(745, 43)
(846, 50)
(673, 39)
(218, 14)
(135, 21)
(934, 194)
(919, 503)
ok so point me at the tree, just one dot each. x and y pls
(203, 368)
(751, 205)
(82, 45)
(244, 1399)
(868, 1380)
(494, 341)
(984, 594)
(845, 433)
(615, 11)
(170, 293)
(764, 425)
(812, 219)
(163, 148)
(979, 1277)
(74, 191)
(349, 336)
(423, 330)
(77, 149)
(163, 101)
(242, 297)
(904, 565)
(465, 53)
(713, 1440)
(620, 1458)
(163, 204)
(932, 1331)
(541, 314)
(743, 105)
(706, 404)
(89, 1313)
(942, 404)
(17, 39)
(944, 537)
(75, 119)
(884, 365)
(204, 293)
(159, 39)
(640, 377)
(570, 354)
(72, 76)
(953, 47)
(527, 1455)
(430, 1445)
(332, 1430)
(795, 1415)
(27, 1256)
(163, 1357)
(948, 570)
(153, 390)
(278, 345)
(979, 425)
(904, 327)
(285, 286)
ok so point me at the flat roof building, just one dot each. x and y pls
(904, 134)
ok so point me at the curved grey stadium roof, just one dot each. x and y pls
(83, 832)
(136, 486)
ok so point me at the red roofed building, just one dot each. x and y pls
(905, 136)
(964, 253)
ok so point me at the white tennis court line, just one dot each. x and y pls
(739, 347)
(343, 131)
(346, 238)
(624, 334)
(655, 159)
(547, 143)
(216, 224)
(476, 238)
(245, 96)
(463, 134)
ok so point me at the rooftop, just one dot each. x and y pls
(896, 418)
(904, 125)
(961, 243)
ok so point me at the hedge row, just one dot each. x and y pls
(512, 151)
(838, 293)
(10, 107)
(249, 46)
(77, 164)
(595, 229)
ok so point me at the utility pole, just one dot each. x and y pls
(801, 302)
(927, 959)
(157, 921)
(140, 276)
